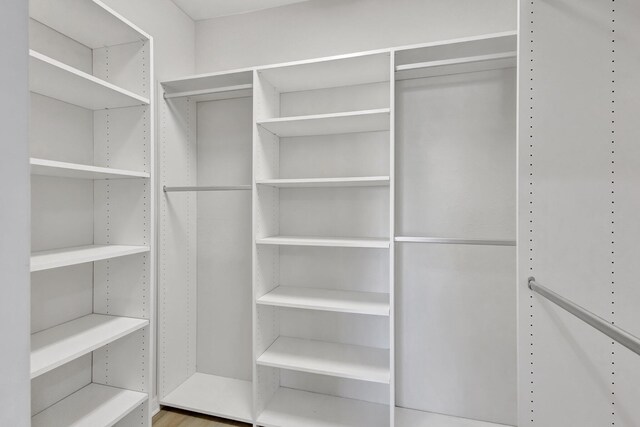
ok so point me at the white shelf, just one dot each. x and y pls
(411, 418)
(360, 181)
(54, 79)
(226, 81)
(91, 406)
(326, 358)
(376, 304)
(329, 124)
(345, 242)
(45, 260)
(73, 170)
(63, 343)
(296, 408)
(89, 22)
(470, 64)
(337, 71)
(213, 395)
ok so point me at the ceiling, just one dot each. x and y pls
(206, 9)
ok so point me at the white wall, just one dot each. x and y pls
(14, 216)
(320, 28)
(172, 30)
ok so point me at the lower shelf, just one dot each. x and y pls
(93, 405)
(213, 395)
(295, 408)
(411, 418)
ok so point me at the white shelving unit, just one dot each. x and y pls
(303, 104)
(328, 269)
(205, 304)
(93, 192)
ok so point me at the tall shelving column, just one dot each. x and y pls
(204, 285)
(323, 264)
(93, 218)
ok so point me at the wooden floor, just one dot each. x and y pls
(169, 417)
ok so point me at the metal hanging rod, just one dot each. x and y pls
(454, 241)
(612, 331)
(207, 188)
(208, 91)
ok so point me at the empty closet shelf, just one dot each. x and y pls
(347, 242)
(213, 395)
(45, 260)
(93, 405)
(370, 303)
(329, 124)
(295, 408)
(63, 343)
(78, 171)
(326, 358)
(91, 23)
(360, 181)
(54, 79)
(461, 65)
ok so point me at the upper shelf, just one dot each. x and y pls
(344, 70)
(467, 55)
(329, 124)
(73, 170)
(89, 22)
(63, 343)
(54, 79)
(356, 181)
(45, 260)
(211, 87)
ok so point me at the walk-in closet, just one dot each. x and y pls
(319, 213)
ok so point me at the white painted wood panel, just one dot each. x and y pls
(565, 212)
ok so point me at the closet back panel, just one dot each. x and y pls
(456, 156)
(178, 245)
(455, 170)
(224, 239)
